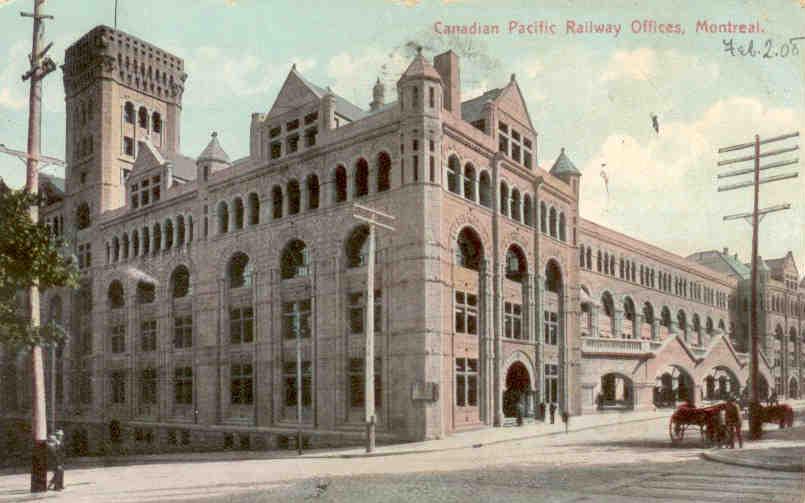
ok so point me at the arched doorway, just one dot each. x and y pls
(793, 389)
(763, 388)
(617, 393)
(518, 388)
(672, 386)
(721, 384)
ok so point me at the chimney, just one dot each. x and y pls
(447, 66)
(726, 251)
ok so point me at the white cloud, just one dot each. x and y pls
(663, 187)
(13, 91)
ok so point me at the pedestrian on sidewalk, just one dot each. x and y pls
(566, 420)
(553, 412)
(55, 445)
(542, 411)
(733, 419)
(599, 401)
(520, 410)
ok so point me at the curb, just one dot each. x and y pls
(763, 465)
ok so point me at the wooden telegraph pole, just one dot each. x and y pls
(755, 423)
(40, 67)
(373, 220)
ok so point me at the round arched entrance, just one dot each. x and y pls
(763, 388)
(720, 384)
(617, 393)
(672, 386)
(518, 387)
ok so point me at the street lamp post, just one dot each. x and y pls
(369, 314)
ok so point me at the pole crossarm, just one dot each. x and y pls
(761, 142)
(373, 211)
(764, 154)
(741, 185)
(746, 171)
(764, 211)
(373, 222)
(24, 157)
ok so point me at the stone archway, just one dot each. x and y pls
(518, 389)
(673, 385)
(720, 384)
(617, 392)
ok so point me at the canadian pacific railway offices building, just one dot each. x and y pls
(199, 277)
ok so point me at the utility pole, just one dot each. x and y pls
(41, 66)
(757, 214)
(373, 219)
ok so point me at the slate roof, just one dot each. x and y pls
(420, 68)
(741, 269)
(472, 110)
(183, 167)
(213, 151)
(342, 105)
(57, 182)
(564, 166)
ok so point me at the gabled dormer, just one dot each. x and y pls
(151, 175)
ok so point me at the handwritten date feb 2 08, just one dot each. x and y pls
(766, 49)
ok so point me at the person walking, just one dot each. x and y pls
(55, 445)
(566, 420)
(520, 410)
(542, 411)
(599, 401)
(732, 415)
(552, 410)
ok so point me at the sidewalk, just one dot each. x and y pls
(779, 450)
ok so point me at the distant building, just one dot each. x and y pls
(200, 276)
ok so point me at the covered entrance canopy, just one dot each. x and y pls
(673, 385)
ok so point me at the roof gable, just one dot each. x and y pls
(512, 102)
(294, 92)
(147, 157)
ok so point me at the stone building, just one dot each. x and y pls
(221, 301)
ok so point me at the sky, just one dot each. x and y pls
(592, 93)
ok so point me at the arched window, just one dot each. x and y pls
(563, 235)
(239, 271)
(598, 262)
(357, 246)
(180, 231)
(515, 264)
(543, 218)
(115, 295)
(82, 219)
(189, 229)
(168, 234)
(648, 319)
(361, 178)
(115, 249)
(146, 292)
(143, 118)
(552, 221)
(276, 202)
(612, 265)
(469, 250)
(312, 192)
(453, 173)
(504, 198)
(709, 326)
(485, 190)
(665, 318)
(607, 324)
(128, 112)
(146, 241)
(125, 246)
(340, 186)
(180, 282)
(581, 256)
(469, 182)
(528, 211)
(515, 205)
(254, 209)
(383, 172)
(239, 212)
(156, 122)
(606, 263)
(682, 323)
(294, 197)
(157, 238)
(590, 258)
(135, 243)
(223, 217)
(553, 278)
(629, 328)
(295, 260)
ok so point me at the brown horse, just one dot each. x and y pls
(782, 414)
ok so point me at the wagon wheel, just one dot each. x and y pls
(676, 431)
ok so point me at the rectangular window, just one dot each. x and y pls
(241, 379)
(118, 386)
(310, 137)
(292, 125)
(155, 192)
(527, 158)
(118, 338)
(296, 319)
(183, 385)
(148, 335)
(551, 383)
(274, 132)
(183, 332)
(128, 145)
(550, 326)
(416, 168)
(503, 127)
(466, 313)
(432, 169)
(276, 150)
(148, 387)
(503, 144)
(466, 382)
(241, 325)
(356, 304)
(431, 97)
(291, 393)
(311, 117)
(293, 144)
(357, 384)
(513, 320)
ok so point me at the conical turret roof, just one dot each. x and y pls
(213, 151)
(564, 166)
(421, 68)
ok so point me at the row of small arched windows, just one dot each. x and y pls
(143, 118)
(150, 240)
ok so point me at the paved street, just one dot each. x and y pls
(629, 463)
